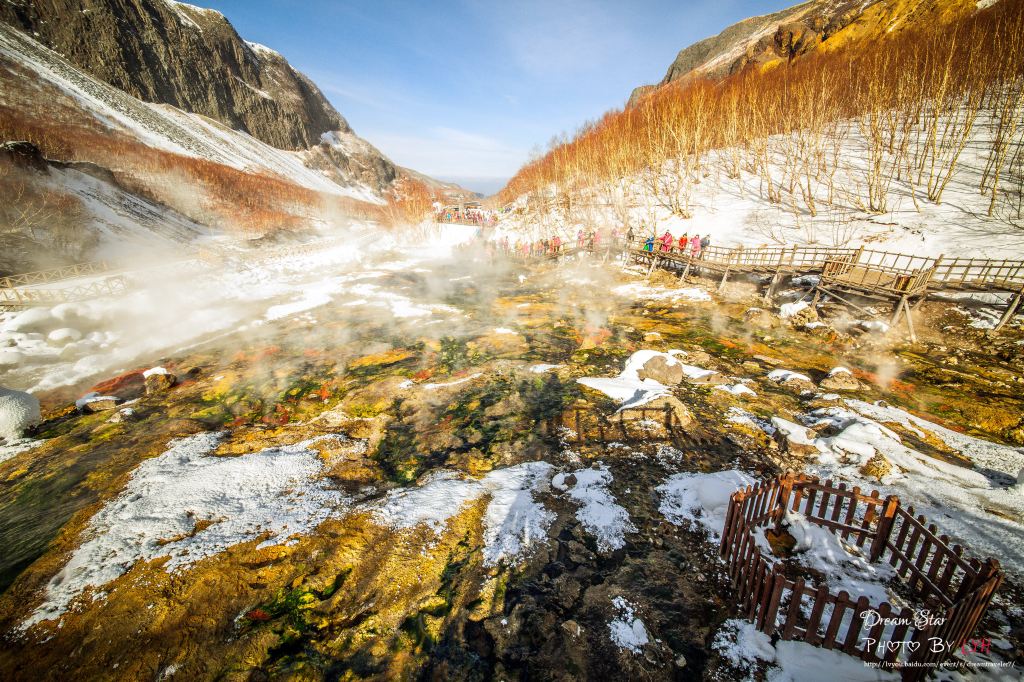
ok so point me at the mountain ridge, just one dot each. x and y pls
(767, 40)
(161, 51)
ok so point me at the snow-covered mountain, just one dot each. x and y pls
(163, 105)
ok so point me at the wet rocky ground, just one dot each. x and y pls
(404, 396)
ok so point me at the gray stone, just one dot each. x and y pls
(660, 369)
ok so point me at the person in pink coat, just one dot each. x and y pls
(666, 241)
(695, 246)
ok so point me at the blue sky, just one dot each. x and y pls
(466, 90)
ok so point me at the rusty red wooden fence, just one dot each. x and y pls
(938, 574)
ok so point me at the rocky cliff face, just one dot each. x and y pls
(793, 32)
(191, 58)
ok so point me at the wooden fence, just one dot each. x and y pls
(935, 572)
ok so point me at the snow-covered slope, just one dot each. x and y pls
(736, 210)
(30, 70)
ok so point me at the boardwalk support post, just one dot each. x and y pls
(1011, 309)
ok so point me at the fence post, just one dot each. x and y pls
(730, 519)
(884, 528)
(782, 500)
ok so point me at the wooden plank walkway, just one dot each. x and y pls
(54, 275)
(906, 280)
(20, 297)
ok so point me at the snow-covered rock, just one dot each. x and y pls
(64, 335)
(31, 320)
(18, 411)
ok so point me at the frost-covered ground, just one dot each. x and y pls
(187, 505)
(171, 307)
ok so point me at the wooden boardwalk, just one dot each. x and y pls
(902, 279)
(51, 287)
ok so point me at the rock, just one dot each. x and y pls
(714, 379)
(569, 481)
(774, 362)
(100, 404)
(125, 414)
(573, 628)
(567, 590)
(158, 382)
(698, 357)
(793, 438)
(840, 379)
(1016, 434)
(877, 467)
(18, 412)
(159, 52)
(651, 337)
(781, 541)
(24, 154)
(661, 369)
(578, 553)
(125, 386)
(680, 661)
(759, 318)
(804, 316)
(797, 384)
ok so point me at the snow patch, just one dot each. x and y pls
(701, 498)
(513, 520)
(626, 630)
(598, 512)
(277, 493)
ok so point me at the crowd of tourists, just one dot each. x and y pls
(585, 240)
(469, 216)
(595, 241)
(685, 245)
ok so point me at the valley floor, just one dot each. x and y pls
(370, 467)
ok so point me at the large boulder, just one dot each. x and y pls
(18, 411)
(663, 370)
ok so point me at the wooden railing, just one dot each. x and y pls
(975, 273)
(796, 610)
(878, 279)
(880, 270)
(54, 275)
(29, 297)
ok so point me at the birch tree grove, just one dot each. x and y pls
(911, 102)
